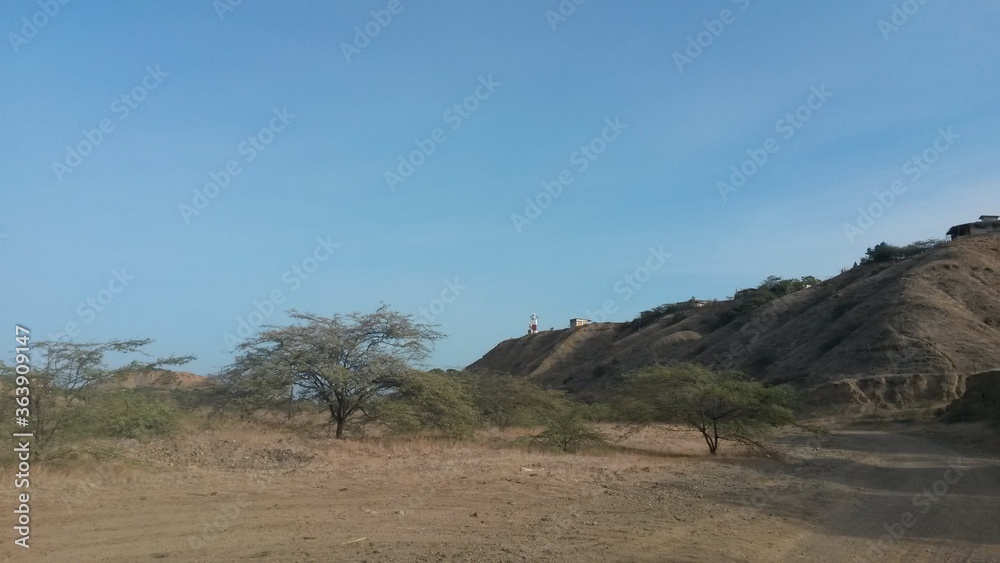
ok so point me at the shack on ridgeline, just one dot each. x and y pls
(987, 224)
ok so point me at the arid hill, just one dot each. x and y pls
(162, 379)
(880, 334)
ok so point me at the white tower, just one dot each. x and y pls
(533, 327)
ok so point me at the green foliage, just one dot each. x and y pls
(597, 412)
(722, 405)
(885, 253)
(66, 375)
(190, 400)
(567, 430)
(431, 401)
(679, 310)
(772, 288)
(259, 386)
(779, 287)
(506, 401)
(752, 300)
(127, 413)
(347, 363)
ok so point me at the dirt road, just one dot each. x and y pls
(855, 495)
(885, 496)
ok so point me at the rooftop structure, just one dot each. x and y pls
(987, 224)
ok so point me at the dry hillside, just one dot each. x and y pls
(163, 379)
(877, 335)
(981, 400)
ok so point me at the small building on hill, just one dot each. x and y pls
(573, 323)
(986, 224)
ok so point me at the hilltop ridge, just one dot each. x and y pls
(879, 334)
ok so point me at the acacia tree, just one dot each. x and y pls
(505, 400)
(66, 373)
(722, 405)
(431, 400)
(347, 363)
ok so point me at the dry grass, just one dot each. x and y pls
(266, 491)
(269, 448)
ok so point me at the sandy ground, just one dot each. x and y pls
(860, 493)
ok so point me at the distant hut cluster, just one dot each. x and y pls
(573, 323)
(987, 224)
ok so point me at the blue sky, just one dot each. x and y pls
(312, 117)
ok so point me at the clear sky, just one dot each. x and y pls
(167, 168)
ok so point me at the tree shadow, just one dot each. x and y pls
(922, 491)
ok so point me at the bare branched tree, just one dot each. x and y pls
(346, 363)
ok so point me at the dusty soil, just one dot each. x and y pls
(874, 492)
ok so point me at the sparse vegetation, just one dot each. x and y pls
(504, 401)
(679, 310)
(773, 287)
(885, 253)
(567, 430)
(127, 413)
(721, 405)
(68, 386)
(349, 364)
(431, 401)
